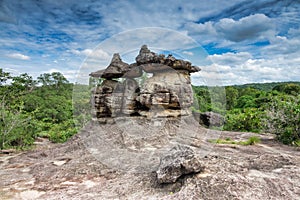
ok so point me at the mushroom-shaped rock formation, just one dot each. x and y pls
(168, 93)
(129, 105)
(97, 74)
(102, 99)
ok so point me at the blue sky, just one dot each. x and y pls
(244, 41)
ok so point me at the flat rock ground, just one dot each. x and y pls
(102, 162)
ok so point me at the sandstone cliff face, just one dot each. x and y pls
(168, 93)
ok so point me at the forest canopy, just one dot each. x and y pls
(35, 107)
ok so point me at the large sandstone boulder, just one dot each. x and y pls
(155, 68)
(181, 160)
(113, 98)
(116, 69)
(146, 56)
(133, 71)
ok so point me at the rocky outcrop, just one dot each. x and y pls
(168, 93)
(211, 119)
(268, 170)
(146, 56)
(181, 160)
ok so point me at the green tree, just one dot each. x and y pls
(58, 79)
(246, 101)
(45, 79)
(249, 91)
(231, 97)
(15, 128)
(249, 119)
(4, 76)
(291, 88)
(23, 83)
(203, 97)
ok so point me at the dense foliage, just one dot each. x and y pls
(258, 108)
(31, 108)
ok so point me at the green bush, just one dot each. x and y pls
(62, 132)
(291, 88)
(283, 118)
(17, 130)
(248, 119)
(258, 108)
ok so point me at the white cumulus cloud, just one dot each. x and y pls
(18, 56)
(96, 53)
(230, 58)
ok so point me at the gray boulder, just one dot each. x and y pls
(102, 98)
(181, 160)
(211, 119)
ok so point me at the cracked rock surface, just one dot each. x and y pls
(267, 170)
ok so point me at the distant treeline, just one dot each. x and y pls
(265, 86)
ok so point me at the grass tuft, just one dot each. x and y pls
(250, 141)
